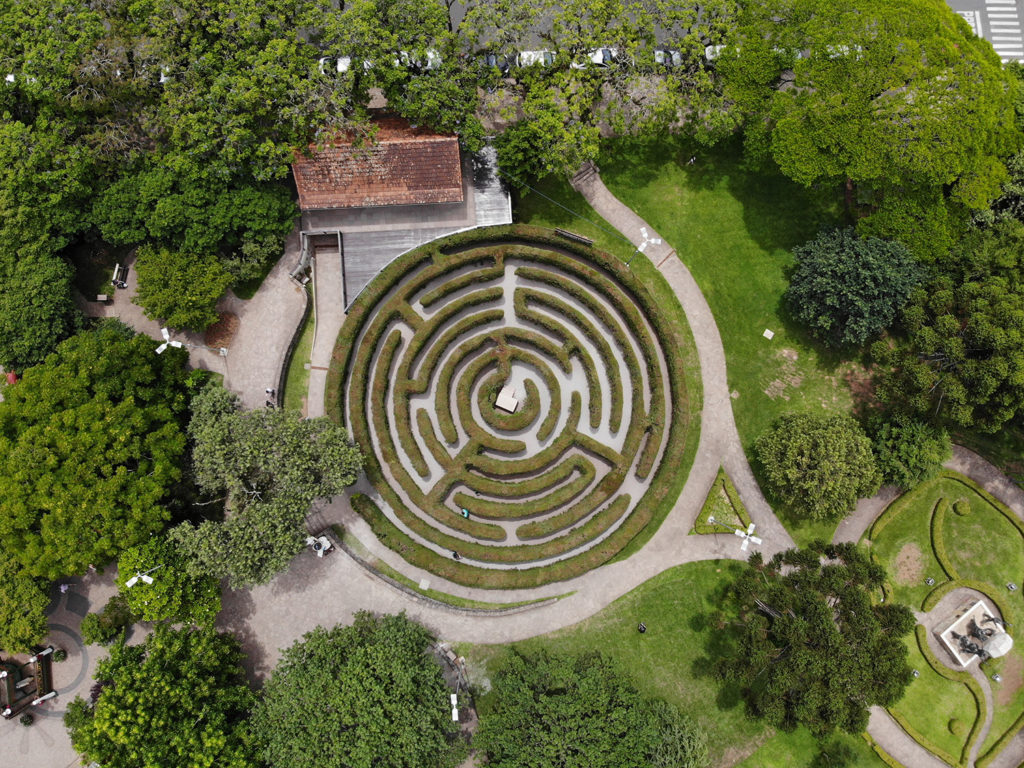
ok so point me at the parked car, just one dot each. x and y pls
(667, 57)
(432, 60)
(529, 58)
(495, 61)
(599, 57)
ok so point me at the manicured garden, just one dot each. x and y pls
(671, 660)
(952, 532)
(580, 305)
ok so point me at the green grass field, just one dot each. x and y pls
(670, 661)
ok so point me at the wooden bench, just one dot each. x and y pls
(573, 236)
(103, 298)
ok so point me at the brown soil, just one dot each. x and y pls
(788, 376)
(909, 568)
(1013, 678)
(223, 331)
(862, 388)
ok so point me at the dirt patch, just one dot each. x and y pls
(789, 377)
(909, 565)
(223, 331)
(1013, 678)
(734, 755)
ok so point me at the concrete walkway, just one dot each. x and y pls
(266, 324)
(329, 316)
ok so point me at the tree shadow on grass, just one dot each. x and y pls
(719, 646)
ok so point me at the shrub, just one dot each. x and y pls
(180, 289)
(60, 655)
(104, 627)
(818, 465)
(957, 727)
(909, 451)
(27, 719)
(962, 507)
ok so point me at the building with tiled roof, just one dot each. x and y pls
(402, 165)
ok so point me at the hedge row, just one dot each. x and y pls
(938, 538)
(607, 487)
(920, 739)
(484, 274)
(559, 307)
(347, 352)
(884, 756)
(722, 481)
(1001, 743)
(489, 578)
(526, 486)
(541, 504)
(464, 402)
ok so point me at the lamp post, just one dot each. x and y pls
(144, 577)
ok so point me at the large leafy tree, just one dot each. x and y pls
(810, 646)
(847, 289)
(896, 99)
(818, 465)
(180, 289)
(362, 696)
(268, 466)
(174, 594)
(560, 711)
(91, 443)
(180, 698)
(23, 601)
(36, 309)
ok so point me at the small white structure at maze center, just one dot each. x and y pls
(975, 633)
(507, 399)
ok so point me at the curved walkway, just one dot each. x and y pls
(330, 590)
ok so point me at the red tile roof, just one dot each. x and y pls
(403, 166)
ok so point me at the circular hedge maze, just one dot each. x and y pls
(543, 492)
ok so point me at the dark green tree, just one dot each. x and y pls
(561, 711)
(90, 446)
(175, 594)
(23, 601)
(909, 451)
(361, 696)
(180, 289)
(180, 698)
(847, 289)
(963, 356)
(810, 647)
(818, 465)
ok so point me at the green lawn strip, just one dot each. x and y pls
(1008, 712)
(296, 382)
(668, 662)
(734, 229)
(723, 503)
(780, 751)
(357, 547)
(930, 703)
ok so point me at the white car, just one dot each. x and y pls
(667, 57)
(599, 57)
(407, 60)
(529, 58)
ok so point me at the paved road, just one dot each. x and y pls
(998, 21)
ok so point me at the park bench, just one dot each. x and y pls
(103, 298)
(120, 278)
(573, 236)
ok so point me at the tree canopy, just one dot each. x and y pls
(810, 647)
(359, 696)
(23, 602)
(180, 289)
(175, 595)
(898, 99)
(562, 711)
(269, 466)
(818, 465)
(179, 698)
(91, 443)
(848, 289)
(909, 451)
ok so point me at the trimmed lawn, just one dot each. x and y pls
(904, 547)
(670, 661)
(931, 702)
(734, 230)
(296, 383)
